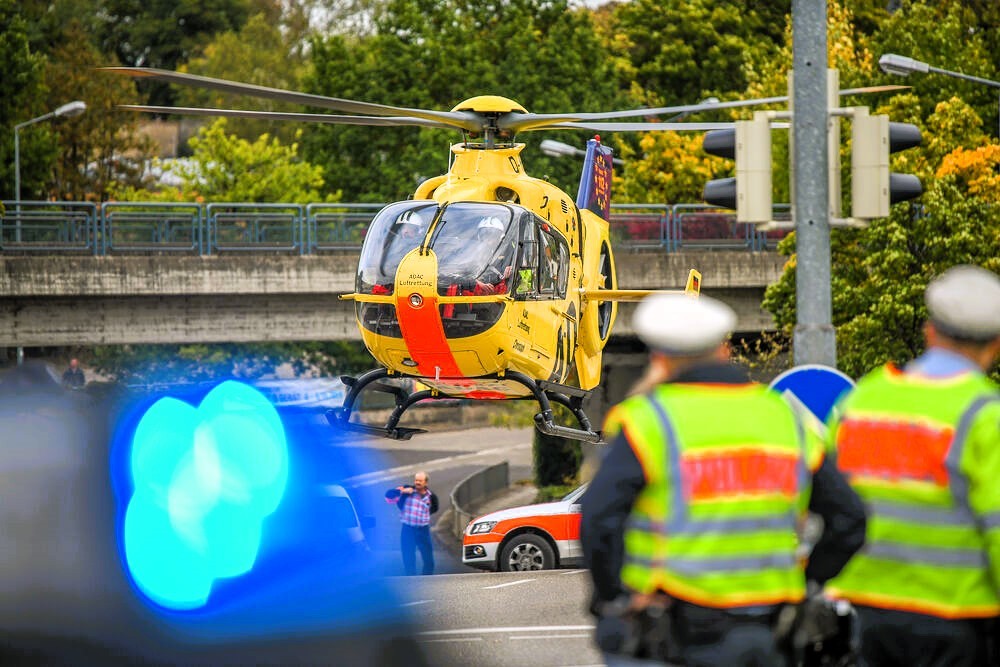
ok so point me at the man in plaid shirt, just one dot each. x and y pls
(416, 503)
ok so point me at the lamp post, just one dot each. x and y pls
(892, 63)
(684, 114)
(559, 149)
(65, 111)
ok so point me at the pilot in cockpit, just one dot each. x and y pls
(410, 227)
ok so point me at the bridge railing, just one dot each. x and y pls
(214, 228)
(338, 226)
(151, 227)
(245, 227)
(41, 226)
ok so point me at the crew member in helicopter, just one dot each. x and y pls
(495, 277)
(404, 235)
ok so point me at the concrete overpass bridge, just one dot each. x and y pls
(66, 299)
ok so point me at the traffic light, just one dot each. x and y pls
(873, 187)
(749, 143)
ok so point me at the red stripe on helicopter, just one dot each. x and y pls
(428, 346)
(424, 335)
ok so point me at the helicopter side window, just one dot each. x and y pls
(544, 266)
(527, 267)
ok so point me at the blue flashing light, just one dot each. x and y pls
(204, 479)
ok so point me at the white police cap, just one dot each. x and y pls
(683, 325)
(964, 303)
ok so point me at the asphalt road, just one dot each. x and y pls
(504, 619)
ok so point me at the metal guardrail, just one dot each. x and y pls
(475, 488)
(219, 227)
(151, 227)
(51, 226)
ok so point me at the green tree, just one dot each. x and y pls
(102, 146)
(436, 54)
(227, 168)
(682, 50)
(260, 54)
(947, 35)
(879, 274)
(21, 100)
(164, 33)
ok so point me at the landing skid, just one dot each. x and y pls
(545, 393)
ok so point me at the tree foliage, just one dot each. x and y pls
(259, 53)
(880, 273)
(436, 54)
(227, 168)
(20, 101)
(164, 33)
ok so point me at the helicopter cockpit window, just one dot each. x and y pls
(475, 245)
(395, 231)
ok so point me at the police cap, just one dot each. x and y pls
(682, 325)
(964, 303)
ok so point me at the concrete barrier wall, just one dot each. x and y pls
(474, 489)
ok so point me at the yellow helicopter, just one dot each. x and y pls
(487, 283)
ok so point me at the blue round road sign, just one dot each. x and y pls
(816, 386)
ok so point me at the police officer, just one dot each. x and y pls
(693, 513)
(921, 445)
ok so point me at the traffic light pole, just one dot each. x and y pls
(814, 340)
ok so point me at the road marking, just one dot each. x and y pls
(549, 636)
(416, 602)
(573, 572)
(453, 639)
(381, 476)
(509, 583)
(517, 628)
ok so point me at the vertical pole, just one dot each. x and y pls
(814, 340)
(17, 183)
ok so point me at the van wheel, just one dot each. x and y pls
(527, 552)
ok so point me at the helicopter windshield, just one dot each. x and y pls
(396, 230)
(475, 245)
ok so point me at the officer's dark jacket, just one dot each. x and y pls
(610, 495)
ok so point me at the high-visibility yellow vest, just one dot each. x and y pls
(728, 476)
(924, 455)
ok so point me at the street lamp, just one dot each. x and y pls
(685, 114)
(892, 63)
(559, 149)
(67, 110)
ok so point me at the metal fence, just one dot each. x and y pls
(219, 228)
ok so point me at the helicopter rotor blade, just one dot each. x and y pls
(302, 117)
(638, 127)
(523, 122)
(454, 119)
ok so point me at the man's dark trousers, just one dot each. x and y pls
(890, 637)
(412, 538)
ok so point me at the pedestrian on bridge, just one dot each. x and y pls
(921, 444)
(416, 504)
(690, 525)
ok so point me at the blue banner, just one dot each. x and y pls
(595, 181)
